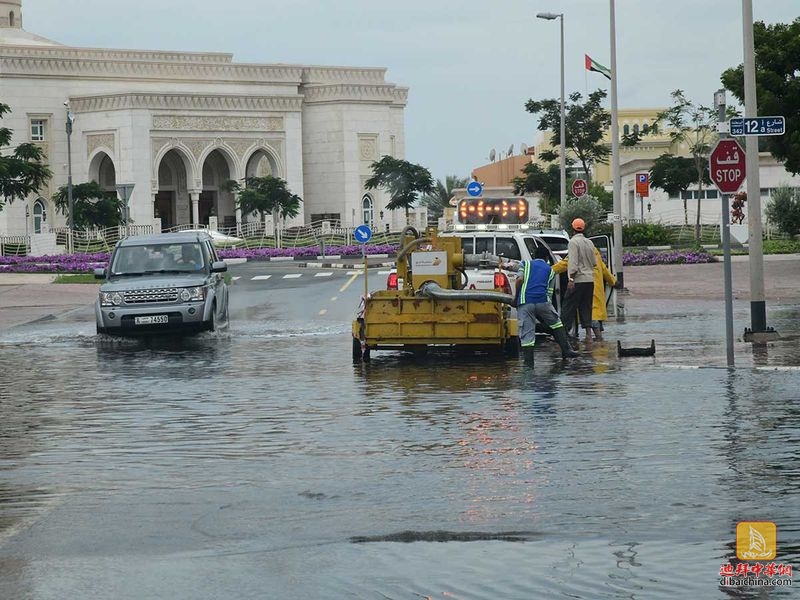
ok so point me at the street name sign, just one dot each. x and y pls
(758, 126)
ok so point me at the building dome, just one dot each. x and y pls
(11, 31)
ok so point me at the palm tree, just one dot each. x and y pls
(440, 198)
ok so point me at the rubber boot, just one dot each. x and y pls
(561, 338)
(527, 354)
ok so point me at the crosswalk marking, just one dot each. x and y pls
(237, 278)
(324, 274)
(258, 277)
(292, 275)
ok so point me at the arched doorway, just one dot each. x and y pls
(39, 215)
(213, 201)
(172, 204)
(260, 164)
(103, 172)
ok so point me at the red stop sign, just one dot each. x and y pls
(579, 188)
(726, 166)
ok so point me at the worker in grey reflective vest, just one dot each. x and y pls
(535, 285)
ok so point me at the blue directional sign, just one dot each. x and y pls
(758, 126)
(363, 234)
(474, 188)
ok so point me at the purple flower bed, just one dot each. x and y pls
(667, 257)
(86, 263)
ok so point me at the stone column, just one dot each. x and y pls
(195, 196)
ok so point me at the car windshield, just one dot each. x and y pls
(158, 258)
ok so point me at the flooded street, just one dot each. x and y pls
(260, 463)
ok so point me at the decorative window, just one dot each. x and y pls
(11, 19)
(39, 215)
(636, 129)
(367, 211)
(626, 129)
(38, 130)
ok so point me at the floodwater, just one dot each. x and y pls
(261, 463)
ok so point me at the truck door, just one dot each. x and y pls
(603, 243)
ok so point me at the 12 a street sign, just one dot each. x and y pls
(579, 188)
(726, 166)
(758, 126)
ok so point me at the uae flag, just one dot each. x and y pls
(592, 65)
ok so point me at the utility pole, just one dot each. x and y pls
(615, 175)
(758, 332)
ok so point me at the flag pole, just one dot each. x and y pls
(617, 250)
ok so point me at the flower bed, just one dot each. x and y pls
(667, 257)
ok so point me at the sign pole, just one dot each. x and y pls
(364, 254)
(719, 101)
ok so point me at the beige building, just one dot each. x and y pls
(178, 124)
(657, 206)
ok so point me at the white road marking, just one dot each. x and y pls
(259, 277)
(292, 275)
(355, 273)
(327, 274)
(237, 278)
(383, 272)
(323, 311)
(334, 299)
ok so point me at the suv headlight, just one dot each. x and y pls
(110, 299)
(193, 293)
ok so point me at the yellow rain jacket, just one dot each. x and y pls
(601, 276)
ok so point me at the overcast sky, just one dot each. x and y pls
(470, 66)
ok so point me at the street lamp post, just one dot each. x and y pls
(563, 150)
(70, 121)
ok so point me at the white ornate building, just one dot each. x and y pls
(177, 124)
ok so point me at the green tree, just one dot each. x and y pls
(587, 208)
(777, 54)
(688, 126)
(605, 198)
(264, 195)
(783, 210)
(544, 181)
(404, 181)
(674, 175)
(23, 171)
(92, 205)
(585, 124)
(440, 198)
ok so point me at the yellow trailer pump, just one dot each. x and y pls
(431, 308)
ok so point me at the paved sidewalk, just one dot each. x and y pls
(30, 297)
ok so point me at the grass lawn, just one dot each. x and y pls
(77, 278)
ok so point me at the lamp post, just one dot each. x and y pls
(563, 150)
(70, 121)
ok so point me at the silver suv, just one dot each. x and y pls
(162, 283)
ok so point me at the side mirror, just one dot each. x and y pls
(100, 273)
(219, 266)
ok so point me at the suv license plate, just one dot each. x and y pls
(151, 320)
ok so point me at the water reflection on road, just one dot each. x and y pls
(261, 463)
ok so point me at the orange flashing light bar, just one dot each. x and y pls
(493, 211)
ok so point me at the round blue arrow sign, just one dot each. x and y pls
(474, 188)
(363, 234)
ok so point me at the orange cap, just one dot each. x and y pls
(578, 224)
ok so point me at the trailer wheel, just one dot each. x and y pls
(512, 347)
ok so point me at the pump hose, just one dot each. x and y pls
(433, 290)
